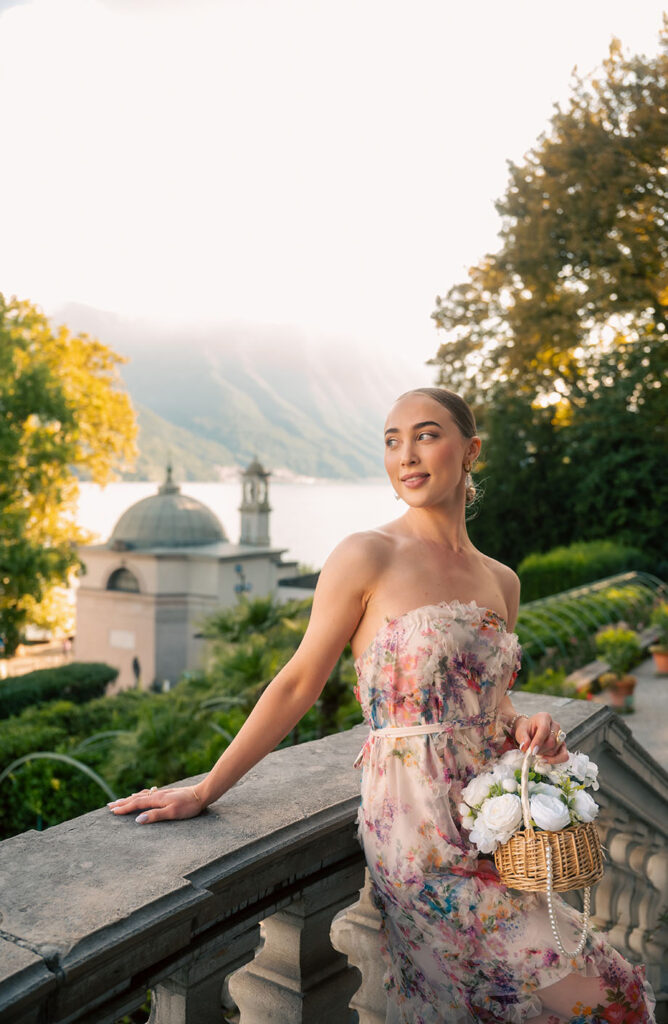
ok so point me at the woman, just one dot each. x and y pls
(430, 619)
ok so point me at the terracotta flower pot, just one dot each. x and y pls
(660, 655)
(621, 693)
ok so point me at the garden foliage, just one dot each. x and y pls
(570, 566)
(140, 738)
(79, 682)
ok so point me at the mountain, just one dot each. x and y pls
(216, 396)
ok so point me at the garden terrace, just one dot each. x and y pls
(97, 910)
(561, 628)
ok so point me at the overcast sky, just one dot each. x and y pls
(330, 164)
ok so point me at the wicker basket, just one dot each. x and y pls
(577, 860)
(538, 861)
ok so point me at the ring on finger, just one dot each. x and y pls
(153, 789)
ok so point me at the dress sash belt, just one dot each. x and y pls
(391, 731)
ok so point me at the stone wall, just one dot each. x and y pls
(98, 909)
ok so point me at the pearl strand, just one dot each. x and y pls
(553, 917)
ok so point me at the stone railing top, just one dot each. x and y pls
(99, 900)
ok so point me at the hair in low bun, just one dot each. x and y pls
(462, 414)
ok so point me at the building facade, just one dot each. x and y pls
(167, 565)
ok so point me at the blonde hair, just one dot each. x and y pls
(462, 414)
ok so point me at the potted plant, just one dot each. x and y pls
(621, 649)
(659, 650)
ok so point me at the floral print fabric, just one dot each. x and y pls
(460, 947)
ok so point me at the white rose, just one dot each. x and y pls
(468, 819)
(549, 812)
(546, 790)
(503, 770)
(478, 790)
(591, 775)
(512, 759)
(509, 785)
(483, 837)
(501, 815)
(578, 765)
(584, 806)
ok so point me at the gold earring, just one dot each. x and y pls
(467, 467)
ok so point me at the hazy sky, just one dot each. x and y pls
(331, 165)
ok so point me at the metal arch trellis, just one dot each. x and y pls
(521, 625)
(66, 759)
(571, 619)
(98, 737)
(544, 614)
(577, 608)
(584, 611)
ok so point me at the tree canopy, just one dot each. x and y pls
(559, 338)
(584, 254)
(64, 414)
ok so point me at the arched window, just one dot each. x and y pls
(123, 579)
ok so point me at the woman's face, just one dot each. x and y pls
(425, 451)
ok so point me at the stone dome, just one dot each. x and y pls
(167, 519)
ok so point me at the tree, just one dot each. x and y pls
(559, 338)
(63, 414)
(584, 242)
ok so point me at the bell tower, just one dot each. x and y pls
(254, 506)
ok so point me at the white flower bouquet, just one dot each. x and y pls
(491, 808)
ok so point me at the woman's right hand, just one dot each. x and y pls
(160, 804)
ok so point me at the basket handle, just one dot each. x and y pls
(524, 789)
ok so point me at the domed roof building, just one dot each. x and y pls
(167, 565)
(168, 519)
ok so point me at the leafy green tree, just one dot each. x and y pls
(559, 338)
(618, 440)
(584, 242)
(64, 414)
(522, 454)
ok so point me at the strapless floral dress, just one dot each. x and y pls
(459, 945)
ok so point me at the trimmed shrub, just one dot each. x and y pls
(79, 681)
(583, 562)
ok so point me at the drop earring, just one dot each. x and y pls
(396, 496)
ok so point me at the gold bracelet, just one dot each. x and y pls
(198, 797)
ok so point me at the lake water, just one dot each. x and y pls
(308, 519)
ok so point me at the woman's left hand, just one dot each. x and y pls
(160, 804)
(541, 734)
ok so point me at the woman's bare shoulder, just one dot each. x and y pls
(509, 583)
(368, 551)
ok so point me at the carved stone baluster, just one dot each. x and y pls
(356, 932)
(297, 977)
(193, 994)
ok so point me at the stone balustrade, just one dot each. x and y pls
(252, 911)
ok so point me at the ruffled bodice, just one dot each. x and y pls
(446, 662)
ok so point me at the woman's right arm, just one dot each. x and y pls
(340, 598)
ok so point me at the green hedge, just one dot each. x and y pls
(79, 681)
(566, 567)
